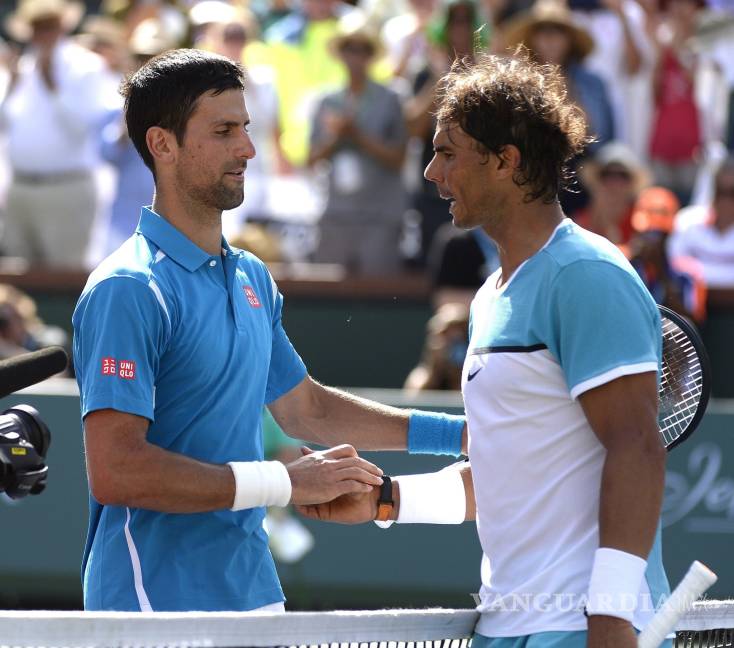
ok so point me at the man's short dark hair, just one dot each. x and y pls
(164, 92)
(500, 101)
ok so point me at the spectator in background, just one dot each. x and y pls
(551, 35)
(106, 37)
(711, 239)
(21, 330)
(269, 12)
(134, 182)
(298, 50)
(614, 179)
(130, 13)
(447, 341)
(677, 132)
(678, 283)
(623, 57)
(458, 264)
(406, 39)
(451, 36)
(228, 31)
(359, 130)
(58, 100)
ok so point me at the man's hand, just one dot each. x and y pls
(353, 508)
(610, 632)
(323, 476)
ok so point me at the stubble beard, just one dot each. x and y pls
(215, 196)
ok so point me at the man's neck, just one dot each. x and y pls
(523, 232)
(200, 224)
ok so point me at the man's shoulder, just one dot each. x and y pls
(573, 245)
(133, 260)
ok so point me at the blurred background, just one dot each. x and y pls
(376, 279)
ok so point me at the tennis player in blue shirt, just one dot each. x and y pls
(178, 344)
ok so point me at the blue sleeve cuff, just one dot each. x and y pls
(435, 433)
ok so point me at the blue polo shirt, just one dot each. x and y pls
(195, 344)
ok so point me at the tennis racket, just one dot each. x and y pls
(698, 579)
(685, 383)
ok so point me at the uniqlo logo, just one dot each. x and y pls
(127, 369)
(252, 297)
(109, 367)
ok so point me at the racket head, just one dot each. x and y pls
(685, 382)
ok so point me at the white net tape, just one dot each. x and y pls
(376, 629)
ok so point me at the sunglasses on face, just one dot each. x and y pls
(615, 174)
(356, 48)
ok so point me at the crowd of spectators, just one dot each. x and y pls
(341, 98)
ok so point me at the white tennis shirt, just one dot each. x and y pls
(572, 317)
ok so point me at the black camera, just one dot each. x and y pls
(24, 441)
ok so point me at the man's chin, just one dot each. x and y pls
(231, 200)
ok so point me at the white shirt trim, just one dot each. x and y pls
(137, 570)
(612, 374)
(159, 296)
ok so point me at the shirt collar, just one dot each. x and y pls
(173, 242)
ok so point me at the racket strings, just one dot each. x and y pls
(681, 383)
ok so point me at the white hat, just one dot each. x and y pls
(19, 23)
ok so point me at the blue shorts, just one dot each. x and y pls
(540, 640)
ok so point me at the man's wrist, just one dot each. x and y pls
(614, 584)
(260, 483)
(394, 509)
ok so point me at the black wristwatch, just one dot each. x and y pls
(385, 503)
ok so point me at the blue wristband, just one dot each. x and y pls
(435, 433)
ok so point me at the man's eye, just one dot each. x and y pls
(224, 132)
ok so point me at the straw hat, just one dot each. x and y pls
(655, 210)
(549, 12)
(19, 23)
(615, 153)
(354, 26)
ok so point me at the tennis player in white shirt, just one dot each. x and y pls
(559, 383)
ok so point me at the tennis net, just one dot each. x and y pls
(708, 625)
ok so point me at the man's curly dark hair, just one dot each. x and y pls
(513, 100)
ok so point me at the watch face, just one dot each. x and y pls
(384, 509)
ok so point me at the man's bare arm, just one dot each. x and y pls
(327, 416)
(124, 469)
(623, 415)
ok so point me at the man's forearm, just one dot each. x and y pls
(329, 416)
(160, 480)
(631, 497)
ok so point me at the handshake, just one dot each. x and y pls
(335, 485)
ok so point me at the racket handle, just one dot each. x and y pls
(698, 579)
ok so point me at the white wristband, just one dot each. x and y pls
(260, 483)
(614, 586)
(432, 498)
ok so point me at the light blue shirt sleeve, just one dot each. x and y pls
(120, 332)
(604, 325)
(286, 367)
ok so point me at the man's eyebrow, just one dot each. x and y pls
(230, 123)
(441, 148)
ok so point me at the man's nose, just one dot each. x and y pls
(432, 172)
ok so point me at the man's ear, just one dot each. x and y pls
(162, 145)
(508, 160)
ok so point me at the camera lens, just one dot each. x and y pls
(31, 426)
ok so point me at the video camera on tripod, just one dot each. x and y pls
(24, 437)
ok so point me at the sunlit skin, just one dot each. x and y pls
(465, 176)
(205, 174)
(484, 193)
